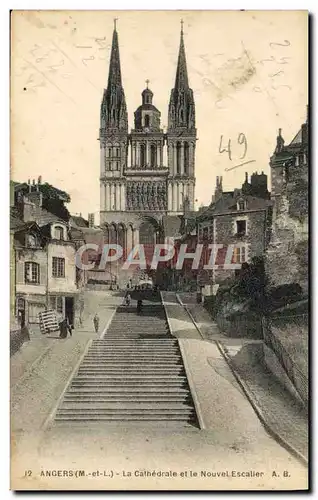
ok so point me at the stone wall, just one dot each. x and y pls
(286, 259)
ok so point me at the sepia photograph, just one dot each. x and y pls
(159, 229)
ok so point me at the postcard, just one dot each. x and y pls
(159, 250)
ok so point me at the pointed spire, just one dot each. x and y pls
(182, 73)
(114, 75)
(113, 109)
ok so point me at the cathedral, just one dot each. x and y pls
(147, 175)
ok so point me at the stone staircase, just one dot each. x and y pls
(134, 374)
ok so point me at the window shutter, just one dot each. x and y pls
(20, 272)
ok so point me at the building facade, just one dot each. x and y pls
(146, 173)
(44, 256)
(239, 220)
(287, 255)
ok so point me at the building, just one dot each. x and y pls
(241, 218)
(287, 255)
(45, 266)
(147, 174)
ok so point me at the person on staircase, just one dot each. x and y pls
(96, 322)
(139, 306)
(127, 299)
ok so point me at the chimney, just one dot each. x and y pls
(40, 179)
(30, 187)
(91, 220)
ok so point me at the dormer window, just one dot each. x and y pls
(59, 233)
(31, 240)
(241, 205)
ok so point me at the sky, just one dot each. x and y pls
(248, 72)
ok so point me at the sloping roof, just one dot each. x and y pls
(47, 218)
(297, 139)
(79, 221)
(17, 224)
(228, 203)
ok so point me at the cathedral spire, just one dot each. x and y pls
(182, 73)
(181, 112)
(114, 110)
(114, 75)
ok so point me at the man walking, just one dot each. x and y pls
(96, 322)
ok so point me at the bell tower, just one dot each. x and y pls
(181, 138)
(113, 137)
(147, 176)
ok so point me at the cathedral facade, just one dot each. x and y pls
(146, 174)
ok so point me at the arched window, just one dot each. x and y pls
(241, 205)
(142, 155)
(58, 233)
(147, 232)
(186, 158)
(113, 234)
(153, 155)
(147, 121)
(178, 158)
(32, 273)
(121, 237)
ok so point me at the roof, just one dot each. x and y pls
(147, 107)
(297, 139)
(17, 224)
(228, 203)
(48, 218)
(79, 221)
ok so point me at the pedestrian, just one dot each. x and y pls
(96, 322)
(139, 306)
(128, 299)
(69, 326)
(63, 329)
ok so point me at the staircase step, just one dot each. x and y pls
(130, 390)
(134, 374)
(126, 398)
(91, 382)
(122, 416)
(137, 357)
(126, 405)
(127, 411)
